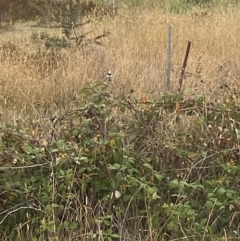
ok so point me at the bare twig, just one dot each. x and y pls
(23, 167)
(15, 210)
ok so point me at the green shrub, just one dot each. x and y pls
(121, 167)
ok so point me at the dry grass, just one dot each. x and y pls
(35, 83)
(135, 51)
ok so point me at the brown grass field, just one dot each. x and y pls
(37, 84)
(135, 51)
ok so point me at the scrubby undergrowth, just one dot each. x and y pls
(118, 168)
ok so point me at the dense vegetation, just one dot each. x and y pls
(116, 168)
(100, 159)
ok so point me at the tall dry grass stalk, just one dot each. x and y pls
(135, 51)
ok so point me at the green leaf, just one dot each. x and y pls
(117, 165)
(221, 191)
(170, 225)
(147, 165)
(111, 167)
(209, 204)
(50, 226)
(65, 224)
(62, 172)
(165, 205)
(127, 197)
(82, 170)
(123, 168)
(36, 150)
(77, 162)
(8, 185)
(218, 203)
(115, 235)
(27, 149)
(151, 190)
(118, 177)
(54, 150)
(83, 158)
(131, 160)
(183, 183)
(159, 176)
(203, 222)
(117, 157)
(196, 186)
(122, 108)
(107, 222)
(73, 226)
(209, 195)
(174, 184)
(33, 179)
(61, 207)
(60, 143)
(156, 221)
